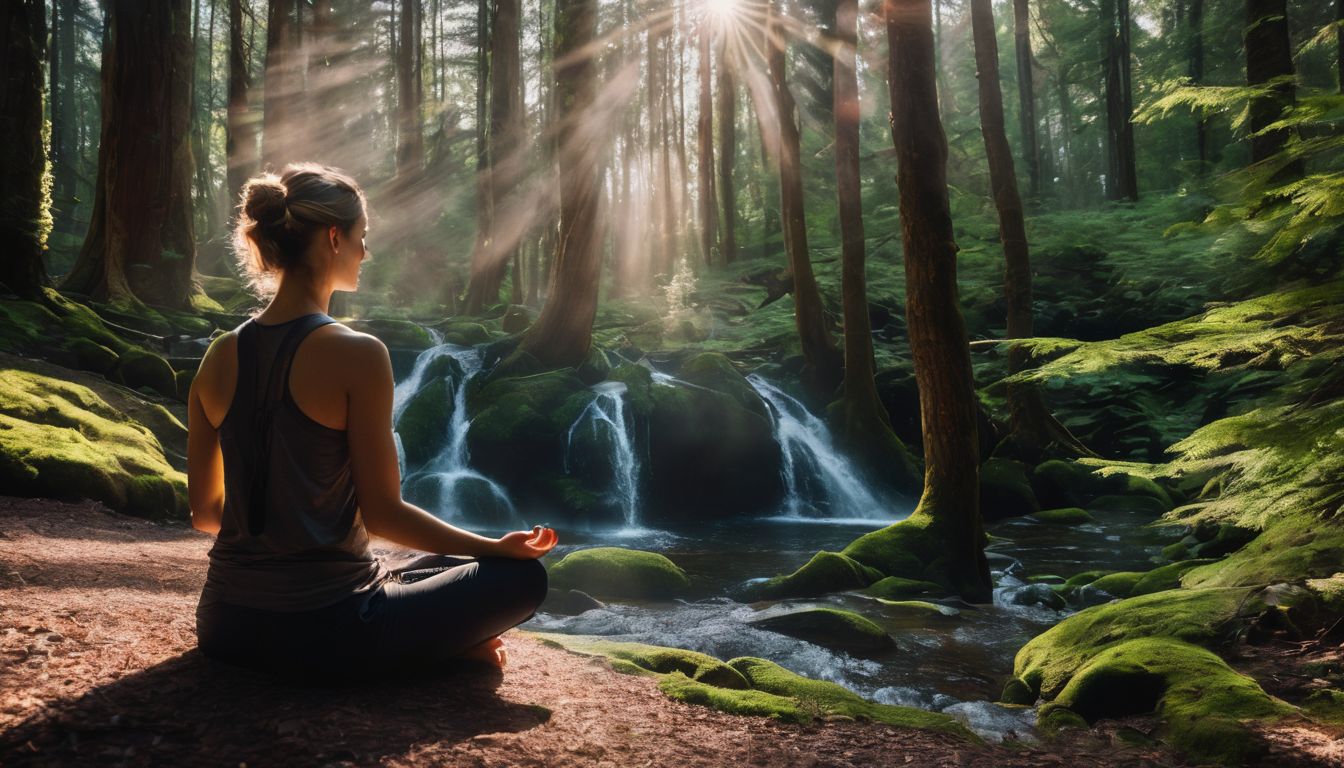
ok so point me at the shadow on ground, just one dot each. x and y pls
(192, 711)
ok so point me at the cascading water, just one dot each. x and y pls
(449, 472)
(818, 481)
(605, 416)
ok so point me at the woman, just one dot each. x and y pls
(291, 461)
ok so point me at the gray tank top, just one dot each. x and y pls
(291, 538)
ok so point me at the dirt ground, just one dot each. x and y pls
(98, 665)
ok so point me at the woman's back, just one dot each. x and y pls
(291, 537)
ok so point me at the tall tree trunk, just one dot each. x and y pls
(704, 137)
(283, 86)
(1339, 43)
(410, 135)
(947, 402)
(562, 334)
(504, 166)
(1121, 177)
(822, 370)
(1269, 56)
(1196, 38)
(241, 131)
(862, 421)
(23, 32)
(141, 242)
(1026, 94)
(1034, 429)
(727, 153)
(64, 131)
(474, 304)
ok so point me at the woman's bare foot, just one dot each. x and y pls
(491, 652)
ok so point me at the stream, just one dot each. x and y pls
(957, 664)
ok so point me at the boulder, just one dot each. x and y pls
(615, 572)
(714, 371)
(1064, 516)
(425, 421)
(516, 319)
(920, 609)
(1005, 490)
(519, 425)
(139, 369)
(832, 628)
(826, 572)
(395, 334)
(897, 588)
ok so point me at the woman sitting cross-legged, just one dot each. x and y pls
(291, 461)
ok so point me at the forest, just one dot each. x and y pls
(933, 382)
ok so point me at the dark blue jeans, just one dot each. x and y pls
(431, 610)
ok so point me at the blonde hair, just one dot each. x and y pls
(278, 216)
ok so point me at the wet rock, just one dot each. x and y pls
(614, 572)
(837, 629)
(424, 423)
(1064, 516)
(920, 608)
(1017, 692)
(395, 334)
(1005, 490)
(896, 588)
(826, 572)
(714, 371)
(1036, 594)
(570, 602)
(516, 319)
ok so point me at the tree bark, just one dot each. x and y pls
(241, 130)
(1026, 94)
(490, 261)
(951, 497)
(822, 371)
(1034, 430)
(1196, 38)
(727, 153)
(410, 134)
(141, 241)
(1269, 58)
(23, 32)
(64, 131)
(283, 86)
(1121, 177)
(704, 136)
(1339, 43)
(562, 334)
(863, 423)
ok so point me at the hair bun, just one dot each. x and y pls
(264, 199)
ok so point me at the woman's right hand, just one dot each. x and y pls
(526, 545)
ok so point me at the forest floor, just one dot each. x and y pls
(100, 665)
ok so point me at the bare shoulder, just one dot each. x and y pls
(221, 354)
(350, 349)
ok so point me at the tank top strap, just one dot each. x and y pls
(278, 384)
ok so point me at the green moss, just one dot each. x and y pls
(1330, 591)
(1017, 692)
(1204, 704)
(826, 572)
(1165, 577)
(898, 549)
(1177, 551)
(1005, 490)
(138, 369)
(832, 628)
(91, 356)
(614, 572)
(1144, 504)
(1120, 583)
(1084, 578)
(1064, 516)
(833, 699)
(466, 333)
(638, 381)
(61, 440)
(1059, 483)
(395, 334)
(896, 588)
(752, 703)
(1326, 704)
(423, 424)
(1202, 617)
(920, 608)
(1053, 719)
(653, 658)
(714, 371)
(1295, 547)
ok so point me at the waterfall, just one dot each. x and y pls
(450, 472)
(607, 413)
(818, 481)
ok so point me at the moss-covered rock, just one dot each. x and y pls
(519, 426)
(714, 371)
(838, 629)
(139, 369)
(834, 699)
(423, 424)
(1064, 516)
(897, 588)
(920, 609)
(752, 703)
(1326, 704)
(516, 319)
(1118, 584)
(1164, 577)
(92, 356)
(62, 441)
(466, 334)
(614, 572)
(709, 454)
(653, 658)
(1330, 592)
(395, 334)
(1059, 483)
(901, 549)
(1130, 503)
(1295, 547)
(1005, 490)
(1054, 719)
(638, 381)
(1084, 578)
(1204, 704)
(1017, 692)
(826, 572)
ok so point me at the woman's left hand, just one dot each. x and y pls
(526, 545)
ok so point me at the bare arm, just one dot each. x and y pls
(205, 467)
(373, 459)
